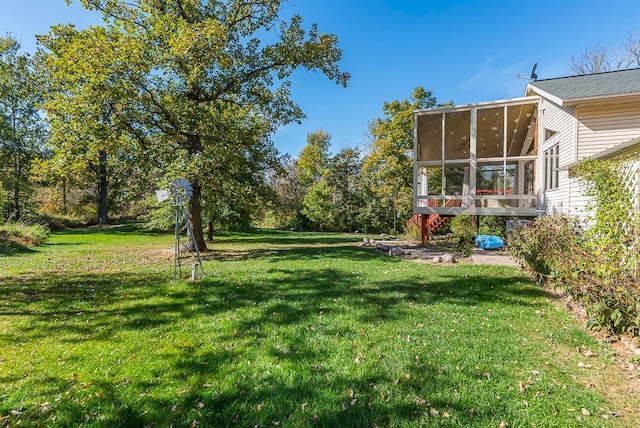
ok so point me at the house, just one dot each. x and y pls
(512, 157)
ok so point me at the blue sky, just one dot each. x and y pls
(465, 51)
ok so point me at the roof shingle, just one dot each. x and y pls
(592, 85)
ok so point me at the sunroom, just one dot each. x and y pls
(477, 159)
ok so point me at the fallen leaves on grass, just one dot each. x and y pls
(522, 387)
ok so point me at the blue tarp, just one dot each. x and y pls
(489, 242)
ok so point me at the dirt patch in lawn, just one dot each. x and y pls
(427, 254)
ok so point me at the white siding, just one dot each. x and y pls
(562, 121)
(600, 128)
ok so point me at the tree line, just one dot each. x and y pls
(97, 119)
(165, 89)
(368, 189)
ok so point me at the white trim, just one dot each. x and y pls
(502, 211)
(476, 198)
(444, 146)
(544, 94)
(415, 164)
(478, 161)
(617, 149)
(473, 145)
(485, 104)
(575, 101)
(576, 124)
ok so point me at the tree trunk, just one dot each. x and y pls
(103, 206)
(210, 231)
(16, 184)
(195, 216)
(16, 169)
(64, 195)
(194, 146)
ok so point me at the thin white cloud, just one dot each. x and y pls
(499, 81)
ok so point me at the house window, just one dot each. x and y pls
(551, 164)
(548, 133)
(529, 177)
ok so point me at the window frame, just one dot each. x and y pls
(552, 167)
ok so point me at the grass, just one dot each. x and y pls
(16, 237)
(288, 330)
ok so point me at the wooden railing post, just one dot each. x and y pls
(424, 231)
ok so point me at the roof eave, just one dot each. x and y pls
(485, 104)
(616, 97)
(544, 94)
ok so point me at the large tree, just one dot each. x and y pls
(388, 167)
(600, 58)
(344, 179)
(188, 80)
(22, 129)
(311, 171)
(313, 161)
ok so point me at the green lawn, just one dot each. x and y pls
(288, 330)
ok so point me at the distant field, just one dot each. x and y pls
(292, 330)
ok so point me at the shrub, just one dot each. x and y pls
(555, 248)
(547, 247)
(60, 221)
(464, 231)
(413, 232)
(18, 234)
(492, 225)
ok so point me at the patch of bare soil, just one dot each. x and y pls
(414, 252)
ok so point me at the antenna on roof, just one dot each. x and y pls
(532, 74)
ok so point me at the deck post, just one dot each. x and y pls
(423, 228)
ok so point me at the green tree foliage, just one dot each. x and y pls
(318, 204)
(463, 228)
(344, 179)
(289, 194)
(388, 168)
(313, 161)
(347, 192)
(317, 190)
(238, 193)
(330, 185)
(312, 172)
(333, 201)
(22, 129)
(85, 100)
(191, 85)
